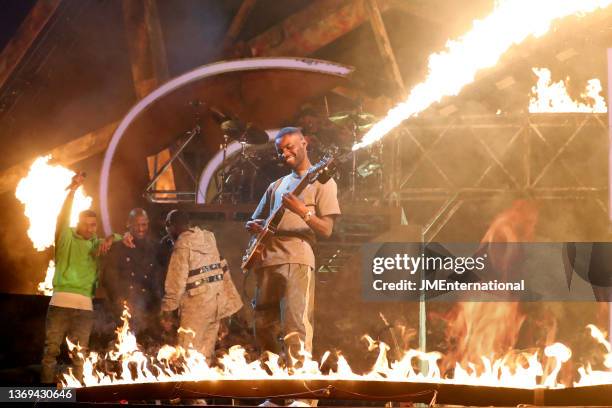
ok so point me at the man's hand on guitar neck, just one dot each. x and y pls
(294, 204)
(255, 226)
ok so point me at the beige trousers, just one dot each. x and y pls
(284, 304)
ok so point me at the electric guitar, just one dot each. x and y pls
(322, 171)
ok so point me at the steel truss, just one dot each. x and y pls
(452, 161)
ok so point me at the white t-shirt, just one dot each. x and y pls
(71, 300)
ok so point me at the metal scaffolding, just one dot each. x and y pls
(448, 162)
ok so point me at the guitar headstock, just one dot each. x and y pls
(323, 170)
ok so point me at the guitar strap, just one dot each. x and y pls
(277, 183)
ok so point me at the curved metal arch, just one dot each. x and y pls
(302, 64)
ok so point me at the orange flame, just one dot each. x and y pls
(548, 97)
(511, 23)
(589, 376)
(483, 330)
(46, 286)
(43, 192)
(177, 364)
(486, 331)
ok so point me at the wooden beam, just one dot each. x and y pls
(312, 28)
(149, 66)
(149, 69)
(418, 8)
(384, 47)
(237, 23)
(324, 21)
(74, 151)
(28, 31)
(343, 16)
(146, 45)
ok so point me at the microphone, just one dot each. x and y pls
(73, 183)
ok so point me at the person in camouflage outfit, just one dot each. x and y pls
(198, 286)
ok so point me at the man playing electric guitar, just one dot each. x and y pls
(285, 270)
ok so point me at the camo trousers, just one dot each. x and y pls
(199, 323)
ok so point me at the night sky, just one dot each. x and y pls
(12, 12)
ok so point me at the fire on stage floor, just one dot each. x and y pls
(359, 392)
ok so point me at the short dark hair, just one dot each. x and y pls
(136, 212)
(87, 213)
(178, 218)
(289, 130)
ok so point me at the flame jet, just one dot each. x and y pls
(511, 23)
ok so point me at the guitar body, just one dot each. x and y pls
(254, 251)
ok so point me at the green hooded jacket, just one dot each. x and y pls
(76, 265)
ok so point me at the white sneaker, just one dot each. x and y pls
(268, 403)
(198, 402)
(300, 403)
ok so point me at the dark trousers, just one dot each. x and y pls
(65, 322)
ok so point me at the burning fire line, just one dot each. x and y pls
(411, 392)
(549, 97)
(511, 23)
(46, 286)
(173, 364)
(43, 192)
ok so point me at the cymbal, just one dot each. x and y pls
(238, 130)
(362, 120)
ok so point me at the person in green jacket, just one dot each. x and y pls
(70, 312)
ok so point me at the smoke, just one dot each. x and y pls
(193, 32)
(70, 83)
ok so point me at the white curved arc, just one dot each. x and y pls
(301, 64)
(213, 164)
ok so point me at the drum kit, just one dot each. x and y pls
(244, 176)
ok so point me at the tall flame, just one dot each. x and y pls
(553, 97)
(511, 23)
(43, 192)
(467, 321)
